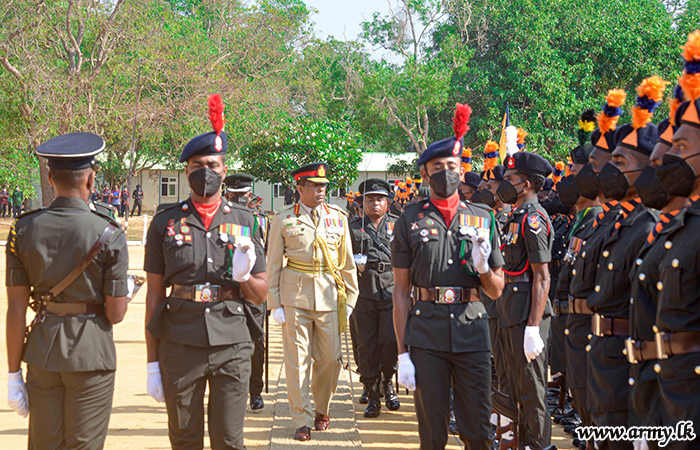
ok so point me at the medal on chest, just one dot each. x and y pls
(513, 232)
(480, 226)
(229, 231)
(389, 228)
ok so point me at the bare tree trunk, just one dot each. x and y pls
(47, 193)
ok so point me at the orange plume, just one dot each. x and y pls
(690, 82)
(615, 99)
(521, 136)
(651, 88)
(216, 113)
(490, 147)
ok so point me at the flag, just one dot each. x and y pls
(502, 141)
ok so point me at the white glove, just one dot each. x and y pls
(640, 444)
(154, 385)
(279, 316)
(407, 371)
(348, 311)
(17, 397)
(243, 260)
(480, 254)
(533, 343)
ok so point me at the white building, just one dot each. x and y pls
(169, 186)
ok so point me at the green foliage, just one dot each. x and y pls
(275, 154)
(400, 168)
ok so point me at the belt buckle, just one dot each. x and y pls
(449, 295)
(629, 348)
(659, 341)
(596, 328)
(381, 267)
(206, 293)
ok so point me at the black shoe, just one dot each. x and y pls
(392, 400)
(374, 406)
(363, 397)
(256, 402)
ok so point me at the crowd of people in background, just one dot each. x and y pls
(11, 203)
(119, 199)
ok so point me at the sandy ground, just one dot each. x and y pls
(138, 422)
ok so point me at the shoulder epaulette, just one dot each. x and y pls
(107, 217)
(487, 208)
(337, 208)
(28, 213)
(165, 206)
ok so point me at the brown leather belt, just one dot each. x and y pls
(206, 293)
(380, 267)
(579, 306)
(522, 278)
(609, 326)
(73, 309)
(637, 351)
(669, 344)
(447, 295)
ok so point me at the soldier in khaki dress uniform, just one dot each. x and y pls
(313, 288)
(70, 354)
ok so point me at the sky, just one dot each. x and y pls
(341, 19)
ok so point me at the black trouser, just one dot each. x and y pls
(258, 359)
(680, 395)
(376, 341)
(185, 371)
(353, 342)
(497, 352)
(16, 210)
(528, 384)
(69, 409)
(137, 204)
(469, 374)
(557, 357)
(645, 398)
(5, 210)
(579, 327)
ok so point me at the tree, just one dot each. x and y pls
(276, 153)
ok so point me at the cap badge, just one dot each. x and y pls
(321, 171)
(456, 149)
(511, 163)
(218, 143)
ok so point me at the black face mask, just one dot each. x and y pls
(548, 205)
(463, 197)
(568, 191)
(587, 182)
(485, 197)
(677, 176)
(613, 182)
(205, 182)
(507, 192)
(560, 207)
(650, 189)
(445, 183)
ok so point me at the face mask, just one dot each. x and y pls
(485, 197)
(568, 191)
(650, 189)
(587, 182)
(463, 197)
(560, 207)
(548, 206)
(676, 175)
(507, 191)
(205, 182)
(444, 183)
(613, 182)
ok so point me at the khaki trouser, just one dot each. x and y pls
(310, 334)
(69, 410)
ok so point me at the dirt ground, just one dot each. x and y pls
(138, 422)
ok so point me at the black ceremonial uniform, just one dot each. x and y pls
(678, 318)
(561, 224)
(203, 342)
(71, 358)
(586, 254)
(259, 312)
(529, 239)
(608, 369)
(373, 315)
(645, 398)
(501, 215)
(449, 343)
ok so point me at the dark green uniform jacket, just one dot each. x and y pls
(501, 216)
(440, 256)
(179, 248)
(43, 247)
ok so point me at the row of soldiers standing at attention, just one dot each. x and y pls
(469, 278)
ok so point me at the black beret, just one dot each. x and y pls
(374, 186)
(496, 173)
(441, 149)
(529, 162)
(239, 182)
(687, 112)
(641, 140)
(665, 132)
(71, 151)
(580, 154)
(605, 143)
(205, 144)
(548, 184)
(472, 179)
(314, 172)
